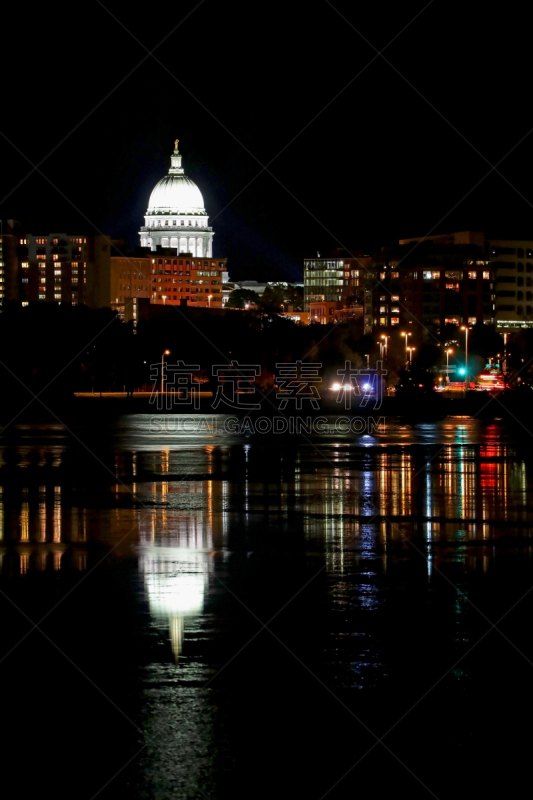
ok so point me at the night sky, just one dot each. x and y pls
(379, 163)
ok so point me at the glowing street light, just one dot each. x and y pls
(411, 353)
(465, 329)
(448, 364)
(406, 342)
(209, 296)
(385, 344)
(165, 353)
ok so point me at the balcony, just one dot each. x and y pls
(183, 231)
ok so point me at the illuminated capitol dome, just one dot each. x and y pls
(176, 216)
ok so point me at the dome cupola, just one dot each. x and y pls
(175, 193)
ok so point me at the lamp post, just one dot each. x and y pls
(406, 342)
(411, 354)
(164, 299)
(465, 329)
(385, 344)
(448, 364)
(165, 353)
(209, 296)
(504, 370)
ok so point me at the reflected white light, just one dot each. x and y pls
(175, 579)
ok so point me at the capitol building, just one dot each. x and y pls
(176, 216)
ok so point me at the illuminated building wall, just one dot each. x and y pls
(335, 280)
(55, 268)
(447, 280)
(512, 262)
(197, 282)
(130, 279)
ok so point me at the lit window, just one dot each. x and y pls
(24, 302)
(472, 275)
(25, 265)
(486, 276)
(395, 321)
(24, 241)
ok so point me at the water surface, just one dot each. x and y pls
(379, 565)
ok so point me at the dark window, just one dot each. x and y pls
(520, 253)
(519, 281)
(520, 295)
(504, 308)
(528, 310)
(503, 251)
(529, 296)
(529, 267)
(520, 266)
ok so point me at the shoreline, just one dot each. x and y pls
(508, 406)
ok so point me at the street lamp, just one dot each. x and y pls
(209, 296)
(504, 370)
(465, 329)
(164, 297)
(385, 344)
(165, 353)
(406, 341)
(448, 364)
(411, 353)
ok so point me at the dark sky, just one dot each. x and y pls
(380, 162)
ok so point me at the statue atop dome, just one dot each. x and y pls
(176, 144)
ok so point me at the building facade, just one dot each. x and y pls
(512, 265)
(428, 284)
(337, 279)
(184, 279)
(54, 268)
(176, 217)
(165, 279)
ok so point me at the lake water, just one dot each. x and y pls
(229, 616)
